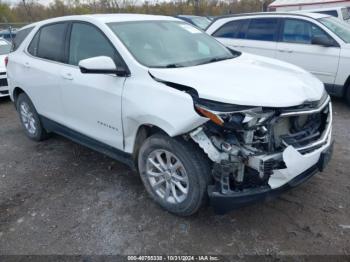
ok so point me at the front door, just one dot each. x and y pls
(92, 102)
(296, 47)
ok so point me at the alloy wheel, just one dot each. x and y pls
(167, 176)
(28, 118)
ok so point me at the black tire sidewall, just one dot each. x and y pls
(196, 168)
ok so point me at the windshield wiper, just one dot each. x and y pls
(215, 59)
(173, 66)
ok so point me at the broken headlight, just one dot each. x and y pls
(238, 125)
(229, 116)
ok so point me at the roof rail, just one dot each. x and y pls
(260, 13)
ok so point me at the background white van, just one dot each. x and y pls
(336, 8)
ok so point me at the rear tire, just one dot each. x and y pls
(175, 173)
(30, 119)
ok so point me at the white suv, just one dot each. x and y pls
(316, 42)
(196, 119)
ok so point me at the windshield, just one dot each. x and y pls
(341, 29)
(5, 47)
(201, 22)
(167, 44)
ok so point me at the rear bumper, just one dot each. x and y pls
(222, 203)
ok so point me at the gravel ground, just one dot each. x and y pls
(57, 197)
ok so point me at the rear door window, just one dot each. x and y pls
(229, 30)
(263, 29)
(33, 46)
(49, 42)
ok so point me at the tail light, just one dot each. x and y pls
(6, 60)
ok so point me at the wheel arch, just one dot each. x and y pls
(143, 132)
(16, 92)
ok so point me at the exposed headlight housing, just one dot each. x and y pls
(232, 116)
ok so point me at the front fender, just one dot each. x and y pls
(157, 105)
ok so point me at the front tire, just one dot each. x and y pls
(175, 173)
(30, 119)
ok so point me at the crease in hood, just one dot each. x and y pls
(246, 80)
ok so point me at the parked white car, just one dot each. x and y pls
(5, 48)
(196, 119)
(318, 43)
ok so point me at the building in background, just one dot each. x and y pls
(336, 8)
(293, 5)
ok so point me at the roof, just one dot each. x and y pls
(312, 15)
(190, 16)
(109, 18)
(279, 3)
(106, 18)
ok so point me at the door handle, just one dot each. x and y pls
(67, 76)
(26, 64)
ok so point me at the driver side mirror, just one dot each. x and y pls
(100, 65)
(323, 41)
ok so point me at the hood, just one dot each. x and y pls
(247, 80)
(346, 46)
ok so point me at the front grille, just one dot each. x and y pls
(309, 131)
(300, 131)
(2, 73)
(3, 82)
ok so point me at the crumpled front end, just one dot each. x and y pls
(260, 152)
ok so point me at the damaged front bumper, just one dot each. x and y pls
(223, 203)
(275, 172)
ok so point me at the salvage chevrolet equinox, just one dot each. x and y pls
(197, 120)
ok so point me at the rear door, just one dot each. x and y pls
(41, 67)
(232, 34)
(260, 36)
(256, 35)
(296, 47)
